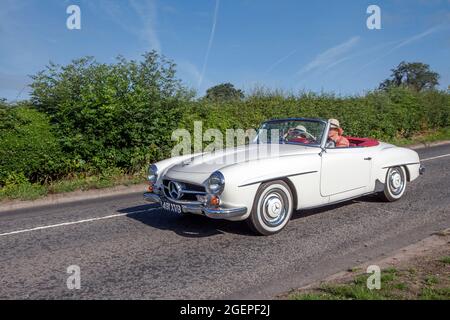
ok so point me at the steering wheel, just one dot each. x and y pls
(330, 144)
(310, 136)
(297, 132)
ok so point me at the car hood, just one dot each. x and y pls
(210, 162)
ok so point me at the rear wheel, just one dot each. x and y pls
(395, 185)
(272, 208)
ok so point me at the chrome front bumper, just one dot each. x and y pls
(197, 207)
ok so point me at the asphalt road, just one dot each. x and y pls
(128, 249)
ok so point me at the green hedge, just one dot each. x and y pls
(111, 115)
(89, 117)
(28, 148)
(397, 113)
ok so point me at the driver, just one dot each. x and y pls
(299, 131)
(299, 134)
(335, 135)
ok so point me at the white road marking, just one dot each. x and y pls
(65, 224)
(437, 157)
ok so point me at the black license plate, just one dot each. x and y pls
(172, 207)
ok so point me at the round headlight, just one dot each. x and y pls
(215, 183)
(152, 173)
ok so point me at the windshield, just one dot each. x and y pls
(305, 132)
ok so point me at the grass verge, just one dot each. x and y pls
(32, 191)
(421, 279)
(424, 137)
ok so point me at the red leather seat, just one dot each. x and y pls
(362, 142)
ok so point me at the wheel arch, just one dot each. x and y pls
(394, 157)
(290, 185)
(293, 190)
(408, 174)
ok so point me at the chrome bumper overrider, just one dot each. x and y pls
(198, 207)
(421, 169)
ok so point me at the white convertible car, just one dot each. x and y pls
(294, 168)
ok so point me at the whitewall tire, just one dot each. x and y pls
(395, 184)
(272, 208)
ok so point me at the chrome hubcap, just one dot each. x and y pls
(396, 181)
(274, 208)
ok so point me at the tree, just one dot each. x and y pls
(111, 115)
(414, 75)
(224, 92)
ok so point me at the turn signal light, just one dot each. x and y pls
(215, 201)
(150, 188)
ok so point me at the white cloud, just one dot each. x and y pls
(146, 12)
(211, 40)
(403, 43)
(192, 75)
(281, 60)
(330, 56)
(193, 72)
(415, 38)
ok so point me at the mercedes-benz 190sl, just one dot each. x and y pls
(267, 180)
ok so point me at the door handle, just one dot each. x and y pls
(368, 158)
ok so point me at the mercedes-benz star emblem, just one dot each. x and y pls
(175, 190)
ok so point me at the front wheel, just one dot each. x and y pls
(272, 208)
(395, 185)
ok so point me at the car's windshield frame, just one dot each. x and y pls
(318, 145)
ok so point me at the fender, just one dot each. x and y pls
(244, 179)
(393, 157)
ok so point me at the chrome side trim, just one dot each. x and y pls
(265, 180)
(404, 164)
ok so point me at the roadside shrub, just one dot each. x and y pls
(394, 113)
(17, 186)
(29, 151)
(112, 115)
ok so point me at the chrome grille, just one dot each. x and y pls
(189, 191)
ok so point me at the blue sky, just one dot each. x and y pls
(286, 44)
